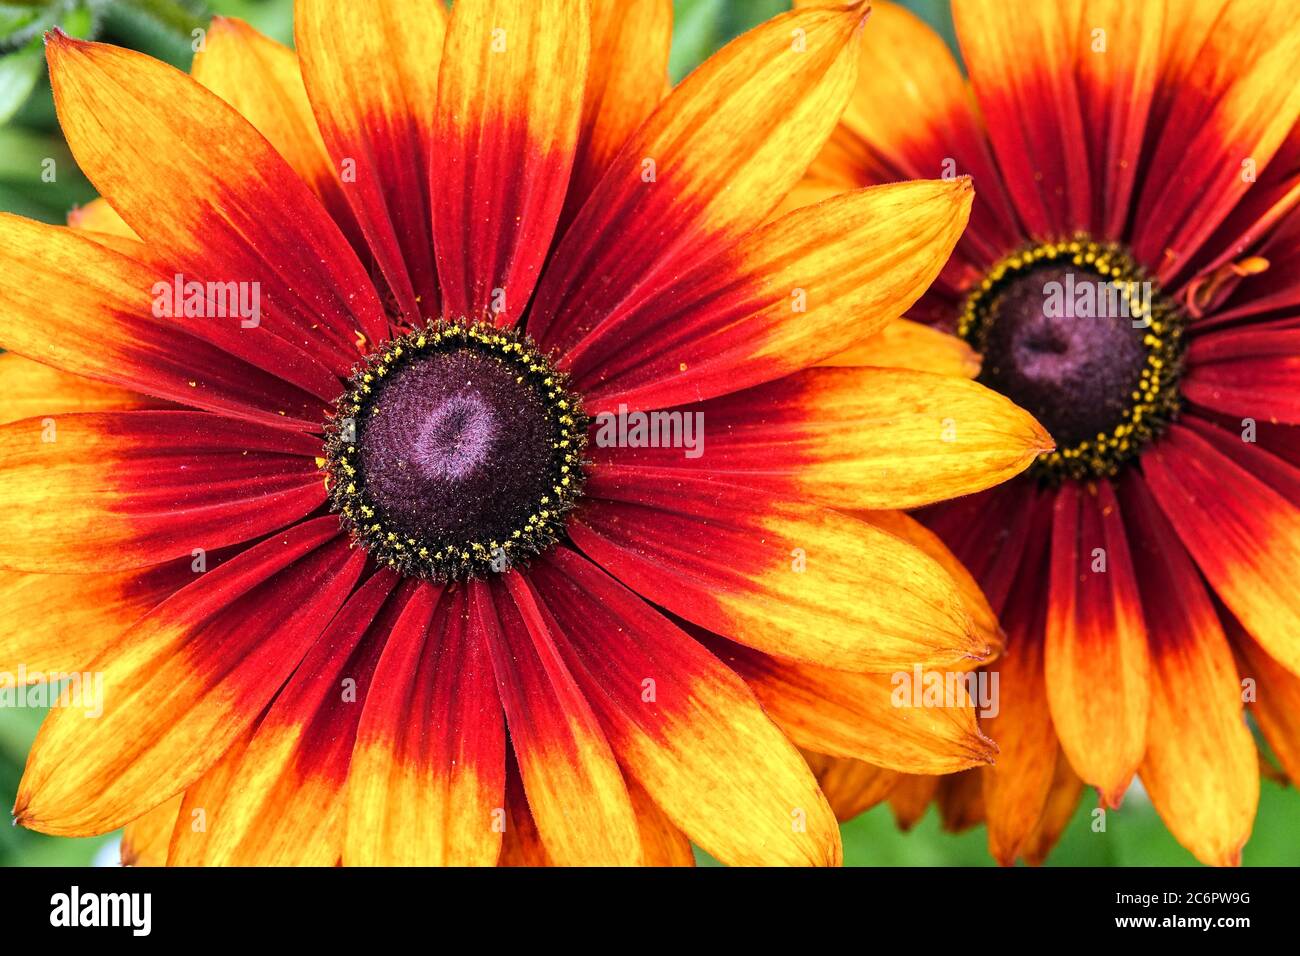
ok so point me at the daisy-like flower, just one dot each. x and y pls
(1129, 277)
(312, 469)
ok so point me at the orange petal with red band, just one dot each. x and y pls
(575, 789)
(630, 42)
(371, 71)
(75, 304)
(261, 79)
(907, 344)
(794, 581)
(289, 804)
(185, 682)
(860, 438)
(107, 491)
(1022, 70)
(509, 108)
(884, 719)
(785, 297)
(62, 622)
(1201, 767)
(898, 128)
(193, 178)
(427, 780)
(34, 390)
(851, 787)
(1096, 659)
(1243, 533)
(684, 725)
(708, 166)
(1237, 102)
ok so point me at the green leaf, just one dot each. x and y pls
(19, 72)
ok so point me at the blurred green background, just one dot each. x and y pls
(29, 135)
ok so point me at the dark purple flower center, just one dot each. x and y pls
(1075, 334)
(456, 452)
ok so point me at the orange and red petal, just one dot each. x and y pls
(1234, 507)
(211, 196)
(108, 491)
(509, 108)
(263, 81)
(427, 781)
(72, 303)
(288, 807)
(1200, 768)
(575, 789)
(859, 438)
(371, 73)
(684, 725)
(1096, 658)
(785, 297)
(35, 390)
(627, 76)
(1227, 117)
(186, 682)
(1021, 61)
(792, 580)
(708, 166)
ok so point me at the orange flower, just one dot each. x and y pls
(1129, 278)
(432, 623)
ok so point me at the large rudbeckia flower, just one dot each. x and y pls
(1143, 155)
(363, 576)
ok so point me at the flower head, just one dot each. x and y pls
(1127, 277)
(330, 501)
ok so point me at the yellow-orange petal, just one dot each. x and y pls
(261, 79)
(630, 42)
(914, 721)
(913, 532)
(31, 389)
(794, 581)
(97, 216)
(851, 786)
(907, 344)
(145, 840)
